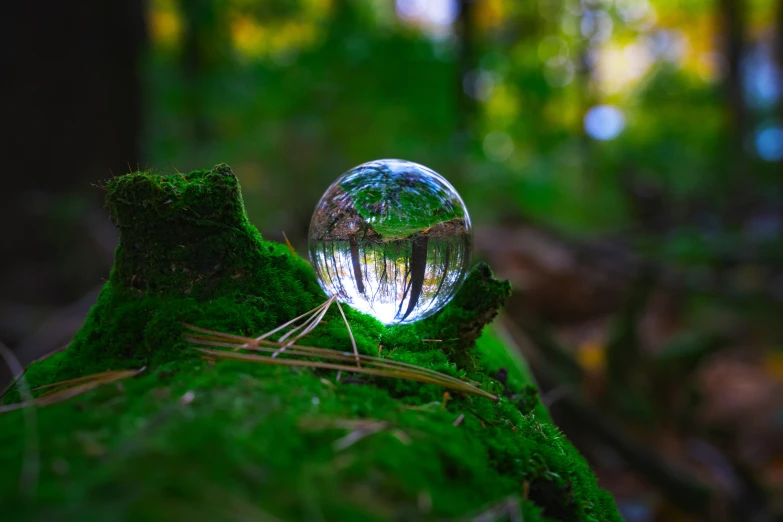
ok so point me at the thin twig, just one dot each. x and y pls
(14, 383)
(178, 172)
(350, 333)
(31, 465)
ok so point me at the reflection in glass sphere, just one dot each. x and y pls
(391, 238)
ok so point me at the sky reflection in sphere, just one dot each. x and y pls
(392, 239)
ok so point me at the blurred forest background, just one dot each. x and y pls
(621, 160)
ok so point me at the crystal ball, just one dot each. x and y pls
(392, 239)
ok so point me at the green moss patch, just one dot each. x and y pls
(189, 439)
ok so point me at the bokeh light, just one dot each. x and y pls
(762, 77)
(769, 143)
(604, 122)
(498, 146)
(596, 26)
(478, 84)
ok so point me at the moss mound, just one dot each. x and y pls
(191, 440)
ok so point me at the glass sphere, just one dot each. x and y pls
(392, 239)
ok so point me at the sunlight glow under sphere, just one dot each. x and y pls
(392, 239)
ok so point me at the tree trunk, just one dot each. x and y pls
(71, 118)
(465, 63)
(733, 29)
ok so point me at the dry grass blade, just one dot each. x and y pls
(289, 245)
(294, 320)
(399, 373)
(298, 328)
(66, 389)
(213, 338)
(324, 353)
(311, 320)
(309, 325)
(350, 334)
(220, 335)
(79, 380)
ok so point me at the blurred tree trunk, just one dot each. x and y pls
(200, 57)
(779, 47)
(584, 74)
(466, 105)
(732, 19)
(71, 118)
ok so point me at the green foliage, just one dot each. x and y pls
(410, 203)
(367, 85)
(192, 440)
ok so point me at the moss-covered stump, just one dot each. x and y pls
(190, 439)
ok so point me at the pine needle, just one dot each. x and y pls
(290, 246)
(350, 333)
(208, 342)
(387, 369)
(66, 389)
(308, 351)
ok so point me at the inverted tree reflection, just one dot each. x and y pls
(396, 281)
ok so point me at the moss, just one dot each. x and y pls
(253, 441)
(458, 327)
(187, 253)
